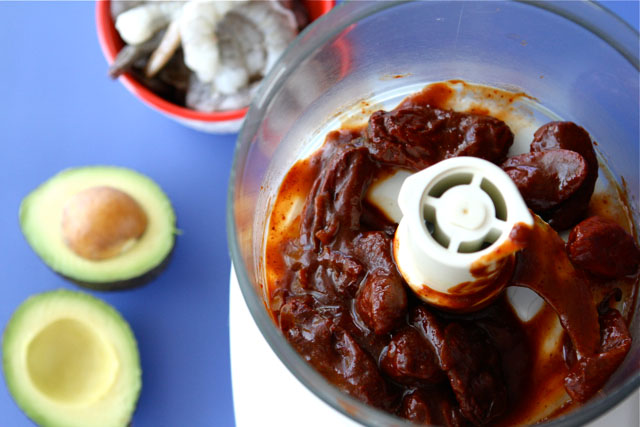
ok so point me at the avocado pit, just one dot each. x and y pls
(102, 222)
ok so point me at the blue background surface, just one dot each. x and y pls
(59, 109)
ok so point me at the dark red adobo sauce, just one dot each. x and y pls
(339, 299)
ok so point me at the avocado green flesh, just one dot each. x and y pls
(41, 218)
(70, 360)
(126, 283)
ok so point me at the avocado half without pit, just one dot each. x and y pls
(101, 227)
(71, 360)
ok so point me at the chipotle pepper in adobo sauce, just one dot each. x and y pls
(339, 299)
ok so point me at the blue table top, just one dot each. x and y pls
(59, 109)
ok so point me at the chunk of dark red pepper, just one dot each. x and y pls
(569, 136)
(603, 248)
(473, 365)
(382, 299)
(546, 179)
(410, 359)
(431, 408)
(589, 374)
(418, 136)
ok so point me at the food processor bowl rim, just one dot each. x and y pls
(272, 83)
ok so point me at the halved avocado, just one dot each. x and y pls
(70, 360)
(102, 227)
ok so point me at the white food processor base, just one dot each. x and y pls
(266, 393)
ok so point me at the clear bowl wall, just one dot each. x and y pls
(576, 58)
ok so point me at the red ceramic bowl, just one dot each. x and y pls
(216, 122)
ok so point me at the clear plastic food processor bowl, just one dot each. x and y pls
(576, 59)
